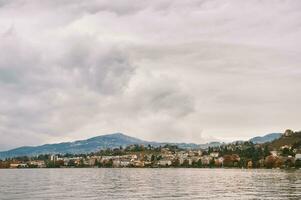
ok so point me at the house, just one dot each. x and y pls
(285, 147)
(125, 163)
(53, 158)
(190, 161)
(219, 161)
(14, 165)
(78, 161)
(206, 160)
(116, 163)
(18, 165)
(91, 161)
(66, 161)
(165, 151)
(235, 157)
(298, 156)
(168, 156)
(134, 157)
(191, 153)
(164, 162)
(181, 160)
(138, 163)
(214, 154)
(147, 163)
(107, 158)
(38, 163)
(288, 133)
(274, 153)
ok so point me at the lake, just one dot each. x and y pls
(97, 183)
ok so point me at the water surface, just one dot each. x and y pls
(135, 184)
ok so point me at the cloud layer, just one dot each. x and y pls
(161, 70)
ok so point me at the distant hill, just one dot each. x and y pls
(266, 138)
(81, 146)
(91, 145)
(210, 144)
(114, 140)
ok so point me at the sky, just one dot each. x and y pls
(160, 70)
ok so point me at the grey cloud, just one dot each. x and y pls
(49, 96)
(105, 68)
(164, 96)
(159, 70)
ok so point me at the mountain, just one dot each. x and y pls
(114, 140)
(266, 138)
(81, 146)
(94, 144)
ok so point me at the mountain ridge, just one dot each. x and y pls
(93, 144)
(265, 138)
(113, 140)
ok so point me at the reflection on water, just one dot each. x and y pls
(149, 184)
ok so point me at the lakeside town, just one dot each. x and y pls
(240, 154)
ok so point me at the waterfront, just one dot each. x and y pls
(96, 183)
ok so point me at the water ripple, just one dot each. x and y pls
(94, 184)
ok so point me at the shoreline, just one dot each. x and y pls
(215, 168)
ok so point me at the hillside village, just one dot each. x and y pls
(284, 152)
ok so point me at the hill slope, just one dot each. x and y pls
(293, 139)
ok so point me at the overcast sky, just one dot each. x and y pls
(168, 70)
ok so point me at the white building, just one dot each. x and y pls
(214, 154)
(298, 156)
(125, 163)
(164, 162)
(274, 153)
(116, 163)
(17, 165)
(38, 163)
(54, 158)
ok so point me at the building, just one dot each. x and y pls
(274, 153)
(125, 163)
(206, 160)
(181, 160)
(298, 156)
(54, 158)
(38, 163)
(164, 162)
(214, 154)
(219, 161)
(288, 133)
(285, 147)
(18, 165)
(134, 157)
(138, 163)
(91, 161)
(116, 163)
